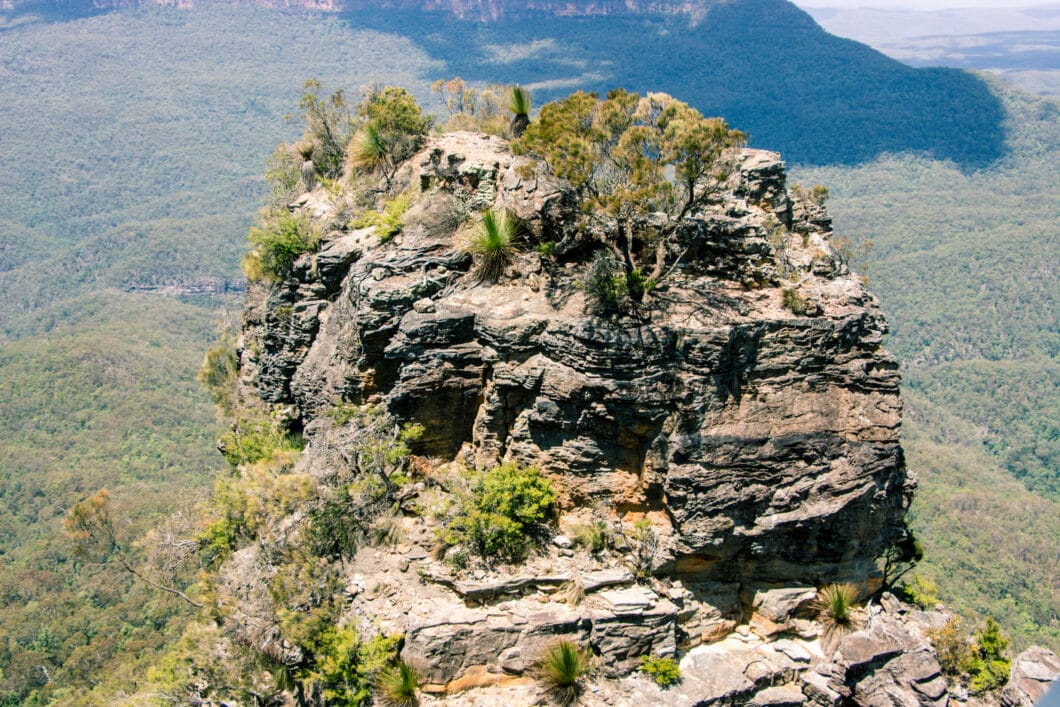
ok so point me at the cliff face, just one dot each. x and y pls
(735, 454)
(763, 444)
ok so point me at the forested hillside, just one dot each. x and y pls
(966, 266)
(132, 154)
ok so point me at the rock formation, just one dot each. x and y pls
(738, 454)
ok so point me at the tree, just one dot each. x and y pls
(475, 109)
(630, 156)
(91, 526)
(392, 128)
(519, 104)
(901, 556)
(328, 126)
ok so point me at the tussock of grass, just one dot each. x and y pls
(397, 685)
(494, 245)
(561, 669)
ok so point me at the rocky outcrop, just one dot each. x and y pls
(737, 436)
(764, 443)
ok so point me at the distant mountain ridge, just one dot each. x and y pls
(482, 10)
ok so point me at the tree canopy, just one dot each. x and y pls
(629, 155)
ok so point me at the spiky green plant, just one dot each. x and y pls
(397, 685)
(561, 669)
(367, 150)
(494, 244)
(836, 603)
(519, 104)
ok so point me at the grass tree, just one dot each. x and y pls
(493, 244)
(519, 104)
(562, 668)
(835, 606)
(305, 149)
(397, 685)
(392, 128)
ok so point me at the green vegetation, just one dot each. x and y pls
(255, 437)
(278, 241)
(594, 536)
(982, 661)
(387, 222)
(519, 104)
(397, 684)
(835, 602)
(474, 109)
(794, 302)
(392, 128)
(499, 518)
(561, 669)
(664, 670)
(990, 665)
(328, 127)
(493, 243)
(353, 508)
(120, 186)
(629, 156)
(977, 337)
(107, 401)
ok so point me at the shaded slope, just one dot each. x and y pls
(764, 65)
(966, 268)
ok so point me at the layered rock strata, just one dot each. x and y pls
(762, 444)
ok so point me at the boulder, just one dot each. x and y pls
(1033, 672)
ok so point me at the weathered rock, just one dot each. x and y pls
(759, 445)
(450, 646)
(1033, 672)
(771, 439)
(780, 696)
(785, 610)
(886, 665)
(626, 631)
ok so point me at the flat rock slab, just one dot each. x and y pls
(628, 599)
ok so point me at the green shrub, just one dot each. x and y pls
(278, 242)
(498, 518)
(794, 302)
(393, 127)
(921, 591)
(561, 669)
(256, 436)
(664, 670)
(952, 646)
(990, 666)
(494, 244)
(397, 684)
(388, 221)
(606, 286)
(218, 373)
(613, 290)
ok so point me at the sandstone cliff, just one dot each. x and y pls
(738, 453)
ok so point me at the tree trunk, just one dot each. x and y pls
(519, 124)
